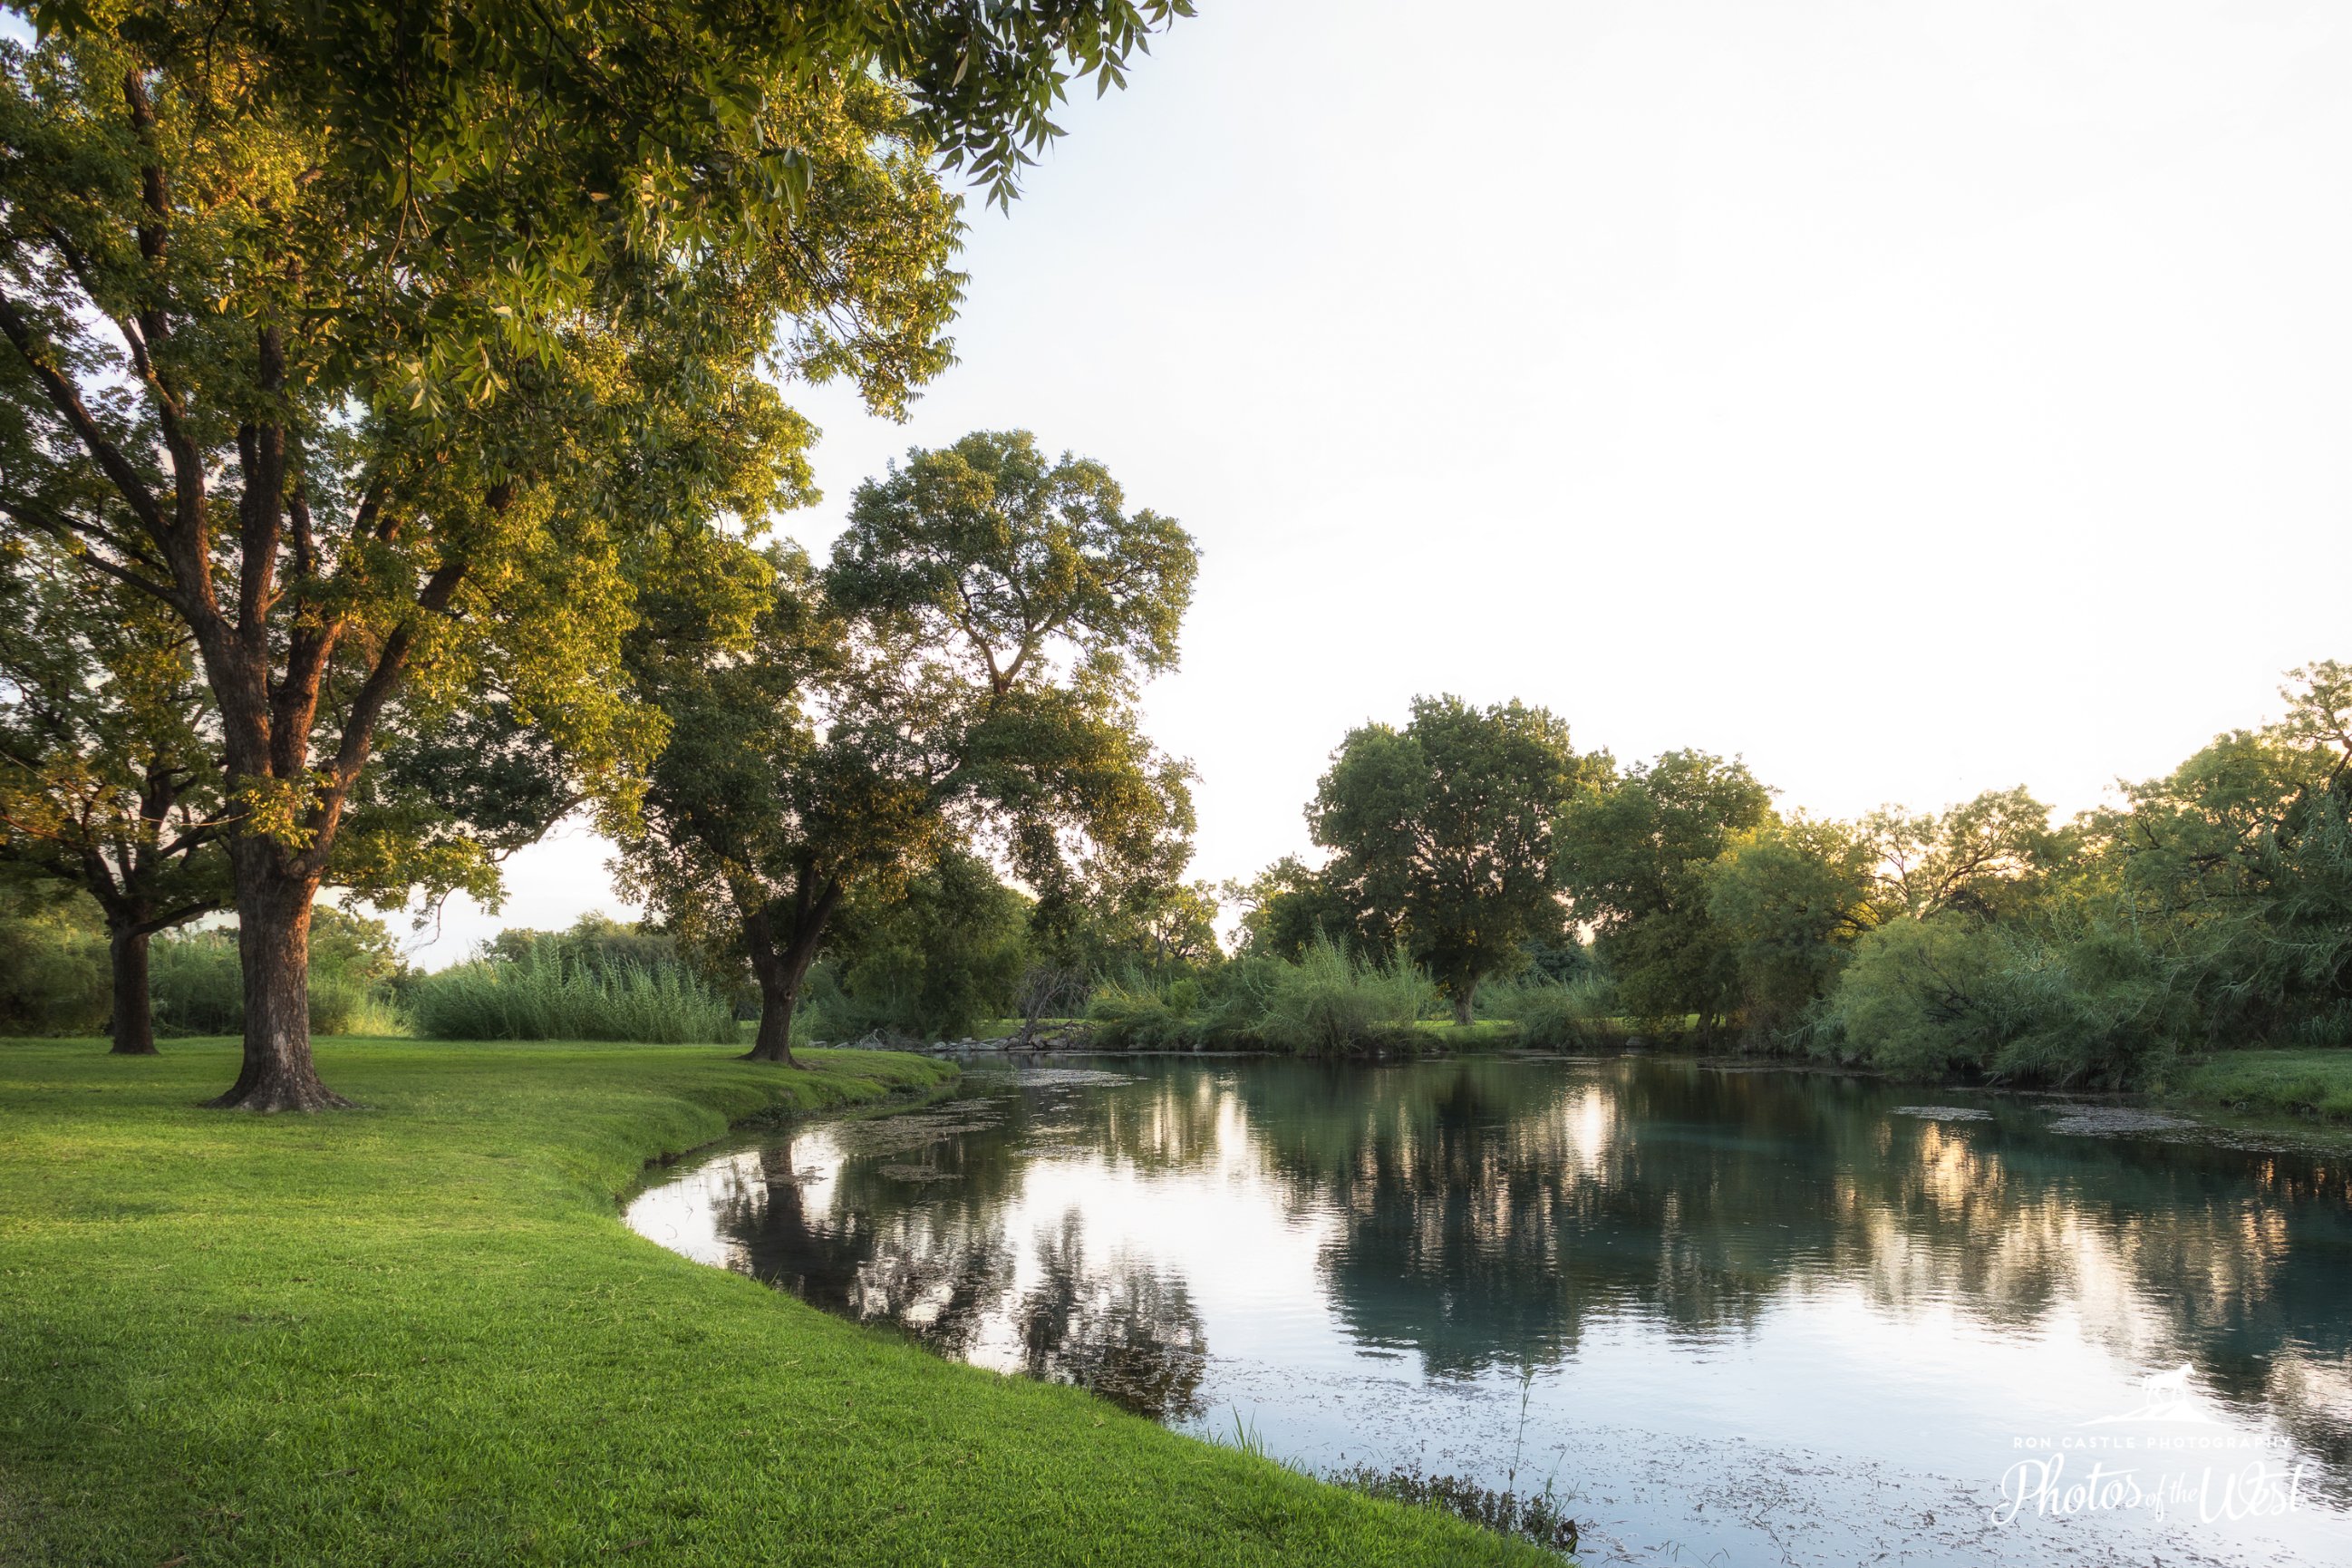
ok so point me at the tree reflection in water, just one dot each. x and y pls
(1489, 1214)
(923, 1246)
(1122, 1331)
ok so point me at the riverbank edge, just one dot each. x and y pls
(2291, 1098)
(491, 1366)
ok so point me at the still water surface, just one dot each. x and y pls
(1735, 1317)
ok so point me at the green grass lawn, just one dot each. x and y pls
(418, 1333)
(1479, 1035)
(2312, 1085)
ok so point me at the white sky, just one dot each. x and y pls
(1915, 399)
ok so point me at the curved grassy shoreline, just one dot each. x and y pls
(417, 1333)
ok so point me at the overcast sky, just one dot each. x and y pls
(1913, 399)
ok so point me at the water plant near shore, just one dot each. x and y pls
(1329, 1003)
(1536, 1517)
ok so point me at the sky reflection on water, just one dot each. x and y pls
(1739, 1316)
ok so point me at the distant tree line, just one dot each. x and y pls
(2209, 909)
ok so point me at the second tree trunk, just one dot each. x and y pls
(133, 1025)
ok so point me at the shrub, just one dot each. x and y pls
(198, 987)
(338, 1003)
(1330, 1003)
(823, 1014)
(595, 940)
(2104, 1001)
(1151, 1014)
(2107, 1003)
(53, 966)
(936, 960)
(196, 983)
(1552, 1014)
(552, 998)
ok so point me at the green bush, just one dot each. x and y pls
(1141, 1013)
(931, 962)
(53, 966)
(2099, 1002)
(1327, 1004)
(550, 996)
(2108, 1005)
(337, 1004)
(198, 985)
(1552, 1014)
(595, 940)
(1330, 1003)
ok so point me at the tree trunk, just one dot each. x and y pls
(1465, 993)
(273, 942)
(780, 970)
(774, 1041)
(133, 1024)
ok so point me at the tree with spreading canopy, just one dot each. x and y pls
(1158, 922)
(1290, 906)
(1634, 854)
(373, 344)
(109, 778)
(2246, 848)
(1444, 831)
(961, 675)
(1792, 896)
(1986, 856)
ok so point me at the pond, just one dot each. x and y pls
(1732, 1316)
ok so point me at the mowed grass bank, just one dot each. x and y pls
(418, 1333)
(2311, 1085)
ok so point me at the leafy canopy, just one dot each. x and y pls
(110, 779)
(961, 675)
(1635, 858)
(1444, 831)
(371, 344)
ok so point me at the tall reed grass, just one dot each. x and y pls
(198, 988)
(1554, 1013)
(1331, 1001)
(1148, 1012)
(558, 998)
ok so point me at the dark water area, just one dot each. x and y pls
(1729, 1316)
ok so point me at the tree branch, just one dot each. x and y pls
(58, 528)
(359, 728)
(66, 398)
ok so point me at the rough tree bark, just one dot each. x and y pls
(1465, 993)
(273, 945)
(125, 887)
(783, 938)
(133, 1024)
(780, 996)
